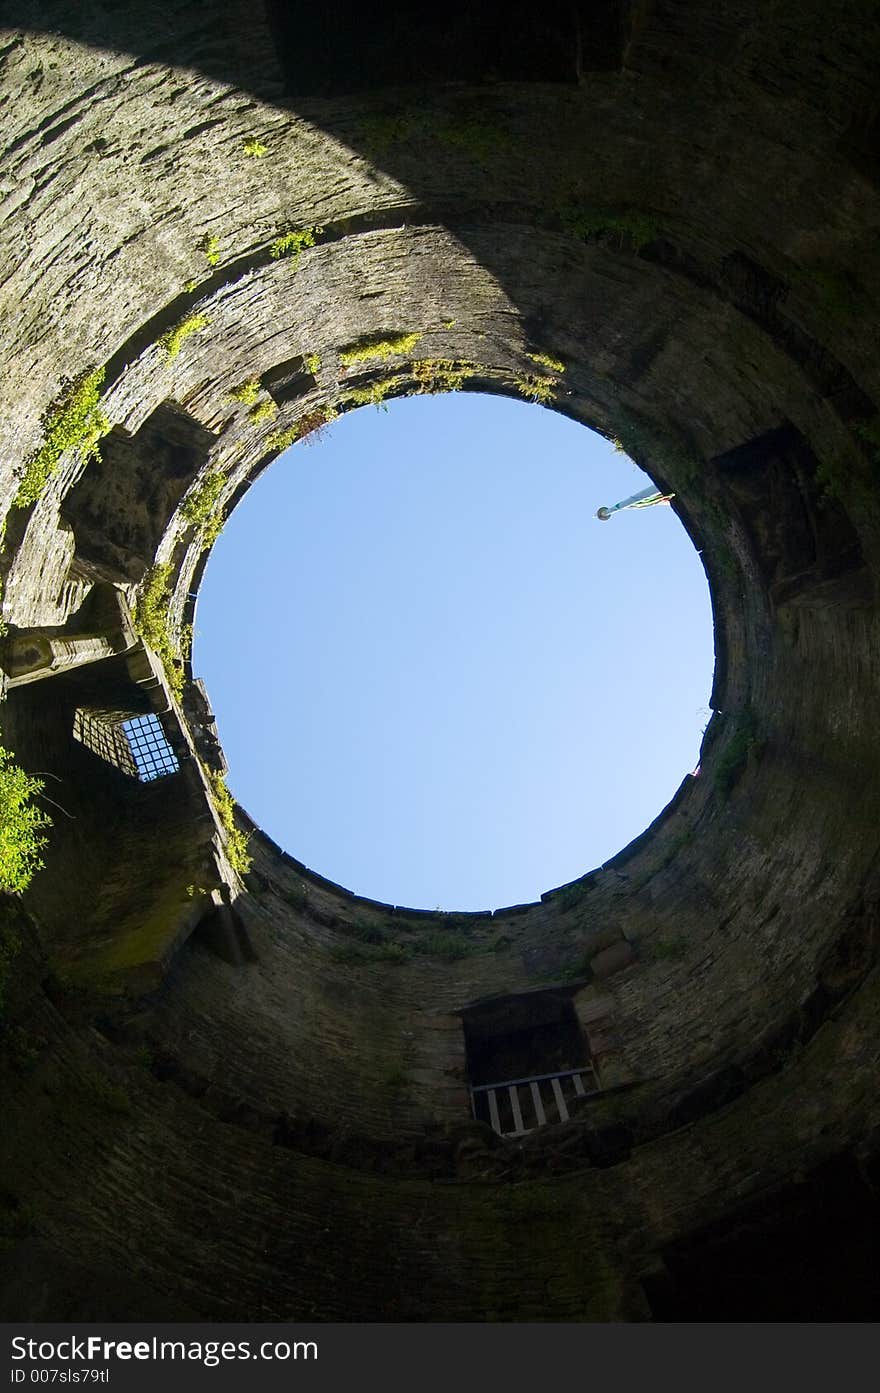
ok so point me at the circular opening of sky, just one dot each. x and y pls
(439, 679)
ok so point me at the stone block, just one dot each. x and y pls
(590, 1007)
(612, 960)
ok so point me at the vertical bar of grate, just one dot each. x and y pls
(513, 1092)
(538, 1103)
(560, 1101)
(493, 1111)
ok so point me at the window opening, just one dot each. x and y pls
(527, 1061)
(149, 744)
(134, 744)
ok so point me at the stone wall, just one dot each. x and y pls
(682, 212)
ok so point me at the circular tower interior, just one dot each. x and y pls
(233, 1089)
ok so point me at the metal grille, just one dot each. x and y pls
(152, 753)
(105, 738)
(517, 1106)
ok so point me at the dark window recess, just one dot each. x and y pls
(344, 45)
(527, 1061)
(135, 745)
(122, 505)
(807, 1252)
(801, 537)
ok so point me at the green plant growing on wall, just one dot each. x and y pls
(293, 243)
(378, 346)
(150, 618)
(734, 756)
(568, 898)
(254, 148)
(307, 427)
(236, 840)
(21, 830)
(172, 342)
(74, 421)
(246, 392)
(283, 439)
(374, 395)
(537, 389)
(625, 226)
(200, 508)
(311, 363)
(440, 374)
(263, 411)
(545, 361)
(447, 946)
(210, 245)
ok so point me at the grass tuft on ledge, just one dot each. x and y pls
(75, 421)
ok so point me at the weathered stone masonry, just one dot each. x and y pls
(236, 1094)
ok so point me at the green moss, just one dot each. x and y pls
(236, 840)
(255, 148)
(246, 392)
(21, 829)
(263, 411)
(171, 343)
(150, 618)
(545, 361)
(293, 243)
(440, 374)
(623, 226)
(75, 421)
(378, 346)
(283, 439)
(311, 363)
(200, 508)
(374, 395)
(210, 245)
(140, 940)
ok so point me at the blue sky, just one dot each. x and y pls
(442, 681)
